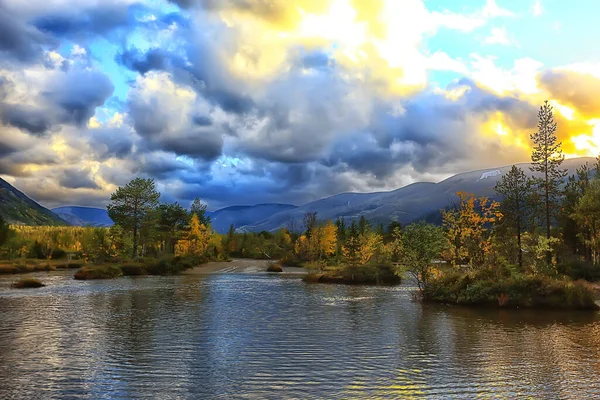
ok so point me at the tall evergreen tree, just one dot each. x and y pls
(199, 209)
(171, 219)
(547, 158)
(515, 207)
(132, 204)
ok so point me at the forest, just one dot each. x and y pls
(537, 246)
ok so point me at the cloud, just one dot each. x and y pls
(575, 89)
(498, 36)
(74, 178)
(253, 100)
(18, 40)
(537, 9)
(165, 114)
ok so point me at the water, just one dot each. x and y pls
(261, 336)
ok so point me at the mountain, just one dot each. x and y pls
(84, 216)
(410, 203)
(244, 215)
(16, 208)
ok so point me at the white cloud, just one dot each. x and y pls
(537, 9)
(498, 36)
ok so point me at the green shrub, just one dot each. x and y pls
(133, 269)
(98, 272)
(517, 291)
(58, 253)
(27, 283)
(579, 269)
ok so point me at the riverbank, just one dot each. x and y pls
(240, 266)
(23, 266)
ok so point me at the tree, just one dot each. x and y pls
(196, 241)
(171, 219)
(199, 209)
(574, 234)
(328, 239)
(587, 212)
(130, 205)
(467, 228)
(5, 232)
(515, 190)
(418, 246)
(547, 158)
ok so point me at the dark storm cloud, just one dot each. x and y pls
(316, 59)
(111, 142)
(135, 60)
(196, 143)
(33, 120)
(85, 22)
(77, 178)
(19, 40)
(78, 93)
(202, 120)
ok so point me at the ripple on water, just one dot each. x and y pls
(263, 336)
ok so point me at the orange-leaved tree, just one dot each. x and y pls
(468, 229)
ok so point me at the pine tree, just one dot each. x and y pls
(515, 207)
(131, 205)
(547, 158)
(199, 209)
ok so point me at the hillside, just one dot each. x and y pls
(410, 203)
(17, 208)
(244, 215)
(84, 216)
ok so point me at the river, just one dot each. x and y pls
(253, 335)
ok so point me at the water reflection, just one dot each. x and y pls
(264, 336)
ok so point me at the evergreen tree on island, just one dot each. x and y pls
(515, 189)
(546, 158)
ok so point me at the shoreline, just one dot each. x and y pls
(240, 266)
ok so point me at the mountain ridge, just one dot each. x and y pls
(17, 208)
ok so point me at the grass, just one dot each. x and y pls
(27, 283)
(517, 291)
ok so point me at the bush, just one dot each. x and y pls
(133, 269)
(578, 269)
(27, 283)
(98, 272)
(518, 291)
(356, 275)
(58, 253)
(274, 267)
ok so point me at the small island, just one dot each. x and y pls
(28, 283)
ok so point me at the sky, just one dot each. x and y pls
(255, 101)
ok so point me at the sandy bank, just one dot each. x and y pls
(238, 266)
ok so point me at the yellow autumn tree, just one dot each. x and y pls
(359, 249)
(467, 229)
(328, 239)
(196, 241)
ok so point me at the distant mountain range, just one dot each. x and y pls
(84, 216)
(244, 215)
(418, 201)
(422, 200)
(17, 208)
